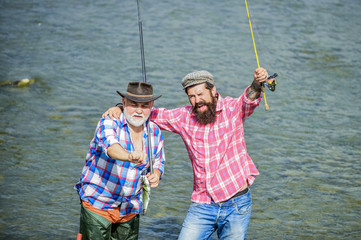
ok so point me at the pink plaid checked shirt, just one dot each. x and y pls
(221, 165)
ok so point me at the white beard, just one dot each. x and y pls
(132, 121)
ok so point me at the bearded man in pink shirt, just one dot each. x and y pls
(212, 130)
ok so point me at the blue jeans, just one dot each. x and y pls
(230, 219)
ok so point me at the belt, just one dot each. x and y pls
(244, 191)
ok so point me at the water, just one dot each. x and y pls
(79, 52)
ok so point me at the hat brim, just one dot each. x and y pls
(139, 99)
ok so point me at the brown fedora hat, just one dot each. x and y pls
(139, 92)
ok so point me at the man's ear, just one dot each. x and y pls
(214, 91)
(123, 101)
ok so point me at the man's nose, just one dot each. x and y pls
(198, 99)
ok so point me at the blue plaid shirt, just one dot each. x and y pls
(107, 183)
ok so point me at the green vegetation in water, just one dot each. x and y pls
(21, 83)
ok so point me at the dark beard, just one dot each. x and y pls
(208, 116)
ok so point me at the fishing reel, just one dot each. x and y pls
(271, 82)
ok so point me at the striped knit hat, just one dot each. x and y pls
(196, 78)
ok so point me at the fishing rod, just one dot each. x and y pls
(271, 83)
(145, 80)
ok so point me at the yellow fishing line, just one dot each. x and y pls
(255, 51)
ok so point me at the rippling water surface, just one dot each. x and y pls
(307, 147)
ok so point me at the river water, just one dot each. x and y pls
(306, 147)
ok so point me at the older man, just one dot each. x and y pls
(116, 167)
(212, 130)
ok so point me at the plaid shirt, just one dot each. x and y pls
(107, 183)
(221, 165)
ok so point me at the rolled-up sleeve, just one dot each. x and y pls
(107, 133)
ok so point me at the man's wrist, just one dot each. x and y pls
(254, 91)
(256, 87)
